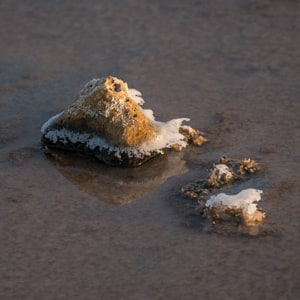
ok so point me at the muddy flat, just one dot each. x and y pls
(72, 228)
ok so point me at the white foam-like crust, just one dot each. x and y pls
(167, 136)
(246, 200)
(136, 96)
(47, 124)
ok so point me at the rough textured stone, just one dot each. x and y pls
(108, 122)
(105, 108)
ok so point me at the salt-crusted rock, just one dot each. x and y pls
(239, 207)
(219, 175)
(107, 121)
(248, 165)
(227, 213)
(192, 136)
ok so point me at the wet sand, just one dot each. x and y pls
(232, 68)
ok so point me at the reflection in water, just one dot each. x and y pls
(117, 185)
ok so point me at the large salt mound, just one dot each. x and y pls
(107, 121)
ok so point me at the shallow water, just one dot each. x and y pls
(232, 68)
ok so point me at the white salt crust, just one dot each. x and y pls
(136, 96)
(246, 200)
(222, 170)
(167, 136)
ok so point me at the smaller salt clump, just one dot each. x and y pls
(242, 205)
(219, 175)
(108, 122)
(227, 213)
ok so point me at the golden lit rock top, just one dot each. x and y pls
(105, 108)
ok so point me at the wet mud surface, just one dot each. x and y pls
(232, 68)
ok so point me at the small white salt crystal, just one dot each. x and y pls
(219, 175)
(221, 170)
